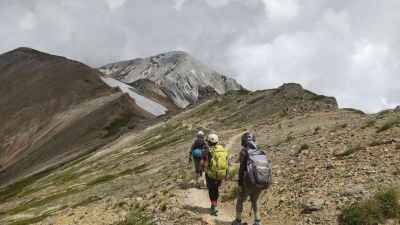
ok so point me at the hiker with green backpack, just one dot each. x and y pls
(216, 164)
(196, 155)
(255, 176)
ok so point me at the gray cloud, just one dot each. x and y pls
(348, 49)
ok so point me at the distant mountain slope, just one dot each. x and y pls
(53, 109)
(175, 75)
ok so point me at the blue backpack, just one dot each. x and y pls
(197, 153)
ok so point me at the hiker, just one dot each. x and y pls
(216, 163)
(196, 154)
(255, 176)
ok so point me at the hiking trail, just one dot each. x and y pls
(197, 200)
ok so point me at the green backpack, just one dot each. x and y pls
(219, 163)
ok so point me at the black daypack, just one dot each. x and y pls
(259, 169)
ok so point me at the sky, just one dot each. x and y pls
(349, 49)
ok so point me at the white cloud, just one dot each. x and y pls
(115, 4)
(349, 49)
(28, 22)
(178, 4)
(281, 10)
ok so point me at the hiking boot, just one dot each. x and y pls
(213, 211)
(237, 222)
(257, 222)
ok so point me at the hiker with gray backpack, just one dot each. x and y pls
(255, 176)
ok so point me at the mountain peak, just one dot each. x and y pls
(25, 51)
(177, 75)
(291, 86)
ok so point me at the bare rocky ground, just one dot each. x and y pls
(324, 159)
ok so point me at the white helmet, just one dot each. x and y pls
(200, 134)
(213, 138)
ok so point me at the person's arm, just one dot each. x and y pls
(242, 168)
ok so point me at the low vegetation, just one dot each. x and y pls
(18, 187)
(350, 150)
(41, 202)
(389, 124)
(376, 210)
(116, 126)
(136, 217)
(31, 220)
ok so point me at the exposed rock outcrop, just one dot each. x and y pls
(176, 75)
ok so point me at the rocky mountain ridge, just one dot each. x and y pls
(175, 75)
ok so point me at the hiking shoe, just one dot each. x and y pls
(237, 222)
(257, 222)
(213, 211)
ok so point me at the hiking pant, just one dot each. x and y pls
(213, 189)
(198, 166)
(244, 193)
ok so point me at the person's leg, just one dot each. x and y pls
(217, 186)
(211, 189)
(212, 186)
(198, 171)
(254, 204)
(241, 198)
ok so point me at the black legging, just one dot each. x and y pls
(213, 188)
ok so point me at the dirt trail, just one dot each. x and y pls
(233, 141)
(197, 200)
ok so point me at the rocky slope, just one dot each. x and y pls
(172, 76)
(54, 109)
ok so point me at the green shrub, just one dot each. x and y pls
(389, 203)
(384, 205)
(115, 126)
(304, 147)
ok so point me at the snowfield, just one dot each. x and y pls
(148, 105)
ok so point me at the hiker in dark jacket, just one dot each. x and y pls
(246, 187)
(197, 157)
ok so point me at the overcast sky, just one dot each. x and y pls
(349, 49)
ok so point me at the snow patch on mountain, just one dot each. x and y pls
(143, 102)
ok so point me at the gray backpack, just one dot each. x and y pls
(259, 169)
